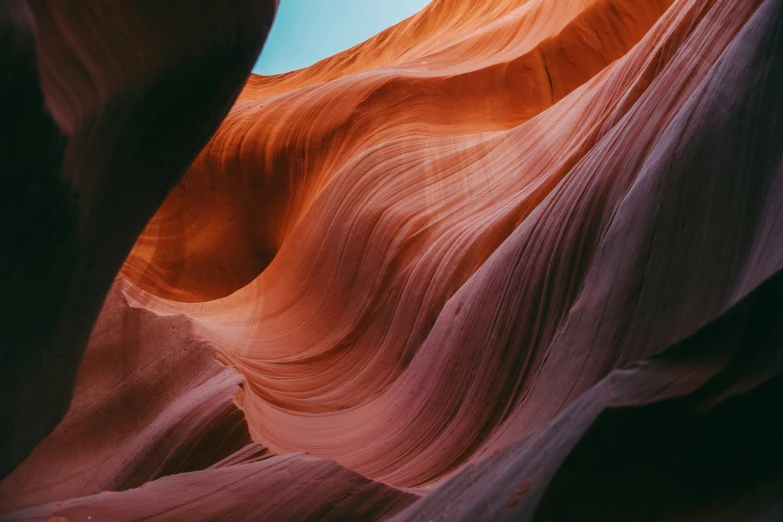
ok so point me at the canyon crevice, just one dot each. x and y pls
(517, 259)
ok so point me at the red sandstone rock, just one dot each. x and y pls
(291, 487)
(135, 90)
(427, 270)
(150, 400)
(523, 256)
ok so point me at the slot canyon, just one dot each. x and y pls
(505, 260)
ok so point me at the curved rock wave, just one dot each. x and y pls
(291, 487)
(291, 138)
(150, 400)
(505, 260)
(440, 292)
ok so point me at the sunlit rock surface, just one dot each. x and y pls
(505, 260)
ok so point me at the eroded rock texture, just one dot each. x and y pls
(150, 400)
(104, 105)
(506, 260)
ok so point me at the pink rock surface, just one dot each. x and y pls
(506, 260)
(150, 400)
(291, 487)
(439, 294)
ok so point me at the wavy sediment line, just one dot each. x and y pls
(657, 431)
(514, 260)
(456, 259)
(151, 400)
(293, 487)
(272, 158)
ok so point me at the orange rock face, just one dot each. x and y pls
(516, 259)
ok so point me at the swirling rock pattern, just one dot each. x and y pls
(517, 259)
(150, 400)
(291, 487)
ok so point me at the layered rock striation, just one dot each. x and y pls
(505, 260)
